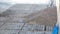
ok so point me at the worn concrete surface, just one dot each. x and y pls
(33, 27)
(21, 28)
(9, 31)
(48, 32)
(48, 17)
(43, 24)
(31, 32)
(12, 26)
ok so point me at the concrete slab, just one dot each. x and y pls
(1, 23)
(17, 19)
(9, 31)
(3, 19)
(48, 32)
(33, 27)
(49, 28)
(47, 17)
(12, 26)
(31, 32)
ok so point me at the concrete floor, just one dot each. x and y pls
(13, 24)
(24, 28)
